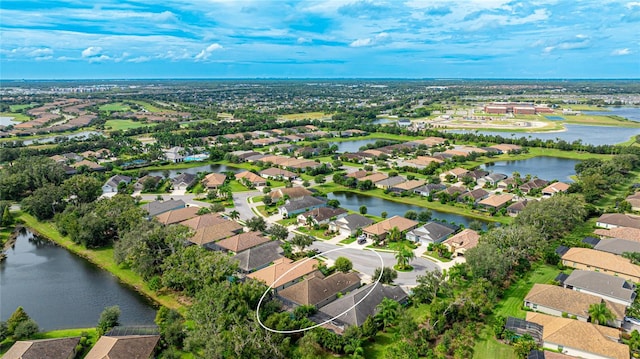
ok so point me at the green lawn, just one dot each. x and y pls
(238, 187)
(123, 124)
(488, 347)
(348, 240)
(16, 108)
(114, 107)
(314, 232)
(16, 116)
(147, 106)
(305, 115)
(434, 255)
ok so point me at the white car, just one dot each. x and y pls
(362, 239)
(633, 321)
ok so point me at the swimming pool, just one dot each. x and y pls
(554, 118)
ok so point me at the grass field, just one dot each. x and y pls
(488, 347)
(16, 116)
(123, 124)
(305, 115)
(114, 107)
(16, 108)
(147, 106)
(601, 121)
(511, 305)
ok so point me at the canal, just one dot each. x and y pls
(60, 290)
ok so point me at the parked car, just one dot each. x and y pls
(633, 321)
(362, 239)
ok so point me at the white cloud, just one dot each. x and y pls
(633, 4)
(100, 58)
(303, 40)
(379, 39)
(42, 52)
(139, 59)
(621, 52)
(91, 51)
(204, 54)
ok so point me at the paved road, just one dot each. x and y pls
(240, 201)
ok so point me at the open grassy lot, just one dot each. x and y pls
(16, 116)
(147, 106)
(123, 124)
(16, 108)
(114, 107)
(488, 347)
(305, 115)
(601, 120)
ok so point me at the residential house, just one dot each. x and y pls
(350, 224)
(321, 215)
(300, 205)
(506, 147)
(432, 232)
(430, 141)
(241, 242)
(429, 189)
(58, 348)
(476, 174)
(183, 181)
(177, 215)
(358, 174)
(250, 179)
(591, 259)
(496, 201)
(457, 173)
(139, 185)
(174, 154)
(473, 196)
(593, 341)
(277, 173)
(243, 155)
(616, 246)
(454, 191)
(90, 165)
(124, 347)
(459, 243)
(158, 207)
(318, 290)
(360, 304)
(508, 184)
(58, 159)
(605, 286)
(258, 257)
(289, 193)
(214, 180)
(614, 220)
(284, 272)
(378, 231)
(492, 179)
(634, 201)
(113, 182)
(390, 182)
(555, 187)
(206, 236)
(374, 177)
(548, 354)
(72, 157)
(562, 302)
(632, 234)
(421, 161)
(407, 186)
(522, 327)
(533, 184)
(515, 208)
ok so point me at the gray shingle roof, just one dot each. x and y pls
(304, 202)
(259, 256)
(617, 246)
(601, 283)
(157, 207)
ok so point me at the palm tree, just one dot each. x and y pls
(234, 214)
(394, 234)
(404, 256)
(388, 311)
(600, 313)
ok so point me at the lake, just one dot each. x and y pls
(630, 113)
(375, 206)
(353, 146)
(194, 170)
(547, 168)
(6, 121)
(78, 135)
(60, 290)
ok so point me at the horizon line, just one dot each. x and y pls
(330, 78)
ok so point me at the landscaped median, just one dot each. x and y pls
(102, 257)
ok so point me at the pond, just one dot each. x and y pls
(78, 135)
(60, 290)
(630, 113)
(594, 135)
(194, 170)
(7, 121)
(353, 146)
(375, 206)
(547, 168)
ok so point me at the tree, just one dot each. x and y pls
(45, 202)
(363, 209)
(388, 275)
(109, 318)
(256, 224)
(234, 215)
(302, 241)
(383, 214)
(4, 332)
(428, 286)
(424, 216)
(343, 264)
(395, 234)
(7, 217)
(555, 216)
(18, 316)
(267, 200)
(404, 257)
(26, 329)
(388, 312)
(600, 314)
(278, 232)
(319, 179)
(86, 189)
(411, 214)
(334, 203)
(171, 325)
(524, 345)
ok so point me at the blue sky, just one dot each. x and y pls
(323, 39)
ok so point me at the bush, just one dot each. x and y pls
(26, 329)
(108, 319)
(343, 264)
(155, 283)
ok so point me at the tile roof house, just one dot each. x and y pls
(533, 184)
(578, 338)
(207, 235)
(125, 347)
(547, 354)
(632, 234)
(591, 259)
(284, 272)
(158, 207)
(390, 182)
(407, 186)
(318, 290)
(432, 232)
(429, 189)
(374, 177)
(242, 242)
(473, 196)
(617, 246)
(322, 215)
(350, 224)
(556, 187)
(259, 257)
(515, 208)
(358, 174)
(634, 201)
(203, 221)
(112, 183)
(461, 242)
(300, 205)
(492, 179)
(274, 173)
(59, 348)
(177, 215)
(496, 201)
(368, 297)
(214, 180)
(291, 192)
(379, 231)
(605, 286)
(557, 301)
(183, 181)
(506, 147)
(457, 172)
(454, 191)
(614, 220)
(174, 154)
(92, 166)
(139, 185)
(247, 177)
(508, 183)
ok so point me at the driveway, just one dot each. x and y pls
(242, 205)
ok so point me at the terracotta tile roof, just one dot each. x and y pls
(620, 220)
(90, 164)
(396, 221)
(293, 270)
(358, 174)
(430, 141)
(496, 200)
(60, 348)
(292, 192)
(177, 215)
(456, 172)
(603, 260)
(628, 233)
(556, 187)
(409, 185)
(243, 241)
(587, 337)
(250, 176)
(570, 301)
(323, 213)
(316, 288)
(466, 239)
(206, 220)
(214, 180)
(215, 233)
(374, 177)
(126, 347)
(272, 171)
(505, 147)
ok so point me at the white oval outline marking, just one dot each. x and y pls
(326, 321)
